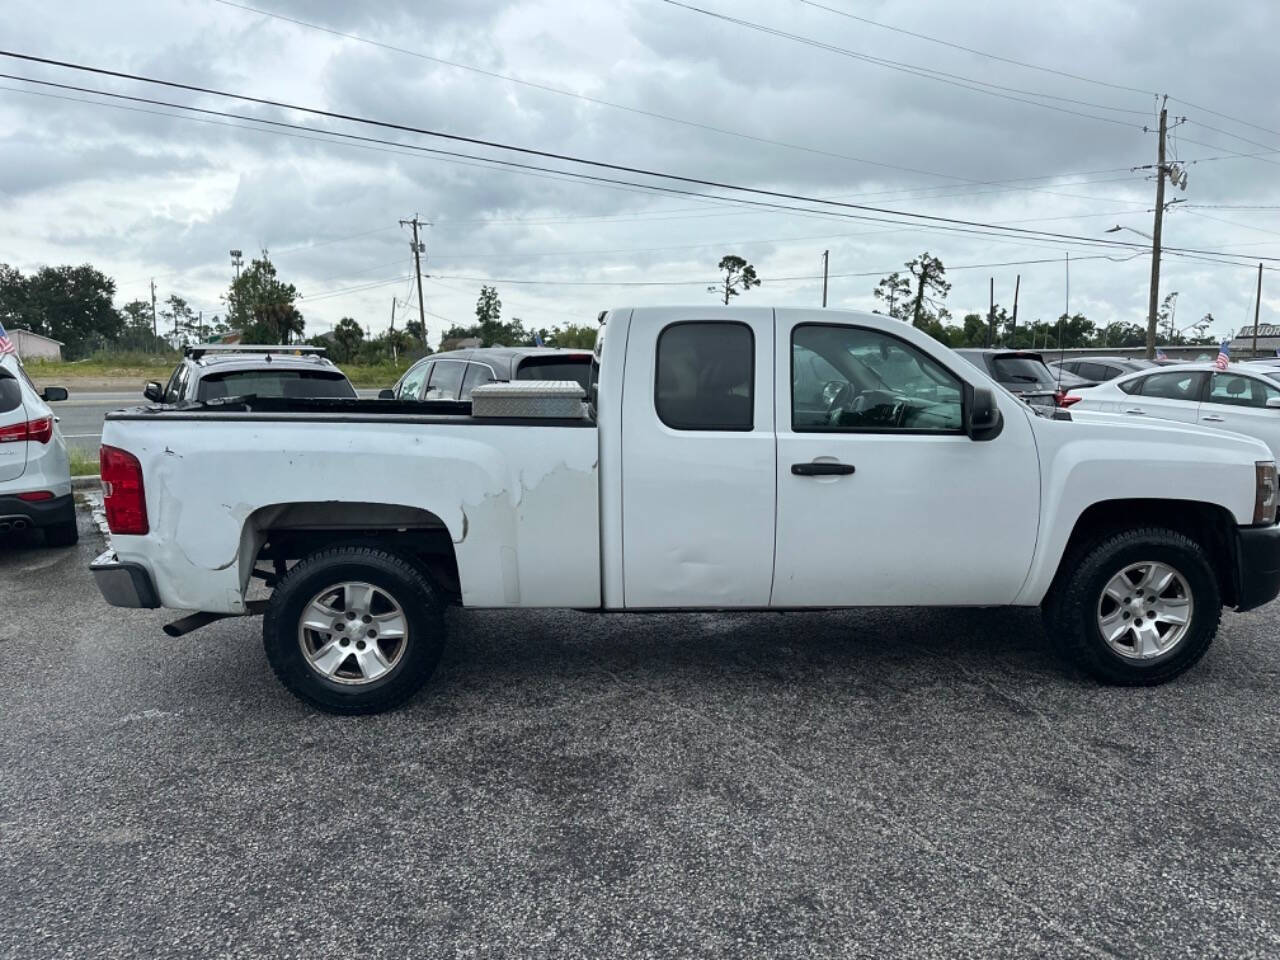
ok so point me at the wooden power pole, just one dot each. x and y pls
(418, 247)
(1013, 331)
(825, 256)
(1257, 307)
(154, 332)
(1153, 303)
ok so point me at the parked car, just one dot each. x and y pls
(1022, 372)
(214, 371)
(1101, 369)
(728, 457)
(35, 474)
(1242, 399)
(452, 375)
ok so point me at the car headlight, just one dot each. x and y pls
(1264, 498)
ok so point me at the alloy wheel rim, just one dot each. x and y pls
(1145, 610)
(353, 633)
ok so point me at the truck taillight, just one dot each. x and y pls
(123, 496)
(39, 430)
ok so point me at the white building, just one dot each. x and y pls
(33, 346)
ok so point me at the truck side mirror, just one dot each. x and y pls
(54, 394)
(1273, 403)
(386, 394)
(982, 418)
(154, 392)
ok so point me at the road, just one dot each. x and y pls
(830, 784)
(81, 414)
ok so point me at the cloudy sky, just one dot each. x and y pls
(908, 106)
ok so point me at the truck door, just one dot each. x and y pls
(882, 497)
(698, 459)
(13, 443)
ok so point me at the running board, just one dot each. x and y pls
(194, 621)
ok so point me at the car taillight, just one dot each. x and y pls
(39, 430)
(1065, 399)
(122, 493)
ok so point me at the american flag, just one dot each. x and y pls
(1224, 355)
(6, 345)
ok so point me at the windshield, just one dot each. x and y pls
(292, 384)
(1023, 373)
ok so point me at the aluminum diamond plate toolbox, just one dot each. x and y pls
(558, 399)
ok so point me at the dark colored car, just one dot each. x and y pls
(1022, 372)
(452, 375)
(1098, 370)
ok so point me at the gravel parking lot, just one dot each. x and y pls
(847, 784)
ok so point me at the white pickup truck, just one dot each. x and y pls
(724, 458)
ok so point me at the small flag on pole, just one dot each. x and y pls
(6, 345)
(537, 339)
(1224, 355)
(1161, 355)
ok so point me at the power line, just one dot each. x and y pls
(955, 223)
(546, 88)
(940, 76)
(980, 53)
(1225, 116)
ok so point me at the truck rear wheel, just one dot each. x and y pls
(1140, 607)
(354, 629)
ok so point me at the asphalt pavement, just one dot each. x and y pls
(831, 784)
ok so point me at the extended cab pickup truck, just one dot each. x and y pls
(725, 458)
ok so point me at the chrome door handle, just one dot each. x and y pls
(1137, 411)
(1212, 419)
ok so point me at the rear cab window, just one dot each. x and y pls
(705, 377)
(321, 384)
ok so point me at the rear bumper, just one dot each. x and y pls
(36, 513)
(1257, 565)
(123, 584)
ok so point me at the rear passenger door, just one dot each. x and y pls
(698, 459)
(1238, 402)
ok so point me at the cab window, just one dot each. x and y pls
(1175, 385)
(705, 374)
(411, 385)
(478, 374)
(445, 379)
(871, 381)
(1239, 391)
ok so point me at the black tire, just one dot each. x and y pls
(401, 580)
(1071, 611)
(62, 534)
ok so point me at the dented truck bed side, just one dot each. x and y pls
(519, 503)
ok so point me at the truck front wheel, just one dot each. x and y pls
(1139, 607)
(354, 629)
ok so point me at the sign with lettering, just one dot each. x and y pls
(1264, 330)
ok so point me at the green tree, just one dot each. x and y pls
(894, 291)
(70, 304)
(739, 276)
(179, 322)
(575, 336)
(931, 289)
(347, 340)
(262, 306)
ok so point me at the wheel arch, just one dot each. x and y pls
(1208, 524)
(281, 533)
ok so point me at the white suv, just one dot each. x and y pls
(35, 475)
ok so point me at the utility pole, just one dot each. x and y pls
(154, 334)
(825, 257)
(1013, 332)
(1257, 306)
(418, 248)
(395, 359)
(1154, 300)
(237, 258)
(991, 316)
